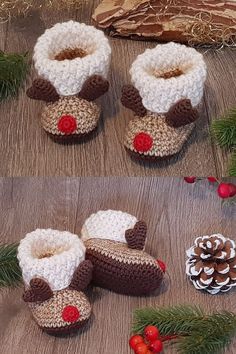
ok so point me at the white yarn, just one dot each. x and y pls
(159, 94)
(68, 76)
(108, 224)
(57, 270)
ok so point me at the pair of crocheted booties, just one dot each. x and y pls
(57, 266)
(72, 61)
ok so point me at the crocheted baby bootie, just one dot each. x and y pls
(72, 61)
(168, 83)
(115, 243)
(55, 274)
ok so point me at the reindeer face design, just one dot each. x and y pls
(114, 244)
(55, 275)
(72, 61)
(168, 84)
(68, 119)
(64, 310)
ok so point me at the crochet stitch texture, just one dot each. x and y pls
(115, 243)
(51, 255)
(108, 224)
(158, 93)
(68, 76)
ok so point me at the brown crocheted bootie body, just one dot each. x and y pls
(167, 88)
(72, 71)
(55, 274)
(115, 246)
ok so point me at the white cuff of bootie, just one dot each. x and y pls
(51, 255)
(108, 224)
(159, 94)
(68, 76)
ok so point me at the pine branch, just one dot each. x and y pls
(196, 332)
(224, 130)
(10, 272)
(13, 72)
(173, 320)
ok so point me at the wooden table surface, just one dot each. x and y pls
(175, 212)
(26, 150)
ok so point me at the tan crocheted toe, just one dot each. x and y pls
(150, 137)
(50, 314)
(70, 117)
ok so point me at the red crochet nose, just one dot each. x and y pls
(67, 124)
(70, 314)
(143, 142)
(162, 265)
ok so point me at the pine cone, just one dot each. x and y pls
(212, 263)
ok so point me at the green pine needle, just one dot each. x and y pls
(224, 130)
(197, 333)
(13, 72)
(232, 169)
(10, 272)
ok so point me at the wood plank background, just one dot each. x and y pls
(26, 150)
(175, 212)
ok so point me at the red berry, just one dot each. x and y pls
(67, 124)
(224, 190)
(190, 179)
(70, 314)
(134, 340)
(156, 346)
(143, 142)
(162, 265)
(232, 189)
(141, 348)
(212, 179)
(151, 333)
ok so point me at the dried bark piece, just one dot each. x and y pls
(179, 20)
(42, 90)
(94, 87)
(131, 99)
(182, 113)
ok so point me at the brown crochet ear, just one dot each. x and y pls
(39, 291)
(182, 113)
(131, 99)
(136, 237)
(82, 276)
(94, 87)
(42, 90)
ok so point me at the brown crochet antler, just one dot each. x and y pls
(131, 99)
(94, 87)
(82, 276)
(39, 291)
(182, 113)
(136, 237)
(42, 90)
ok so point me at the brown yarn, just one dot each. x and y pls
(121, 269)
(131, 99)
(136, 237)
(94, 87)
(74, 327)
(82, 276)
(42, 90)
(167, 75)
(70, 54)
(39, 291)
(182, 113)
